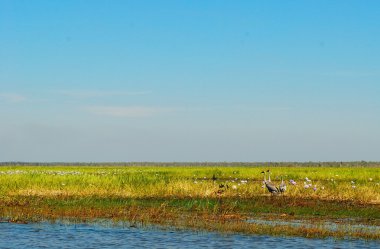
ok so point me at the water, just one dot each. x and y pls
(69, 235)
(331, 226)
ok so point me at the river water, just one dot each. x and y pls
(97, 235)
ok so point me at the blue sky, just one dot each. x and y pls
(189, 80)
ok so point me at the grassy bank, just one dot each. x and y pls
(190, 196)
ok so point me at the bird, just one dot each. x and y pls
(222, 189)
(269, 175)
(271, 188)
(214, 178)
(282, 186)
(263, 172)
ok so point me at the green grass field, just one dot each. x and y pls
(190, 196)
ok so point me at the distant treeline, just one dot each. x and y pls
(200, 164)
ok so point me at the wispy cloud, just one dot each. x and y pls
(128, 111)
(98, 94)
(144, 111)
(12, 97)
(234, 108)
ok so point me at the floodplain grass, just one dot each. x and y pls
(191, 195)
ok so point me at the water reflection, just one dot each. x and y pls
(326, 225)
(69, 235)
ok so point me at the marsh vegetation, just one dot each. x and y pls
(226, 198)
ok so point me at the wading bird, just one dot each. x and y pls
(282, 186)
(269, 175)
(271, 188)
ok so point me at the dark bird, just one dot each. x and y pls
(214, 177)
(222, 189)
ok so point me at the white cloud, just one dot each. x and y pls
(128, 111)
(97, 94)
(12, 97)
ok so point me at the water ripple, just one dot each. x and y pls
(69, 235)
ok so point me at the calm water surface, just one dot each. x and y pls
(69, 235)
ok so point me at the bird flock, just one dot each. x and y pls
(272, 188)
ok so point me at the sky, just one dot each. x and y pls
(200, 80)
